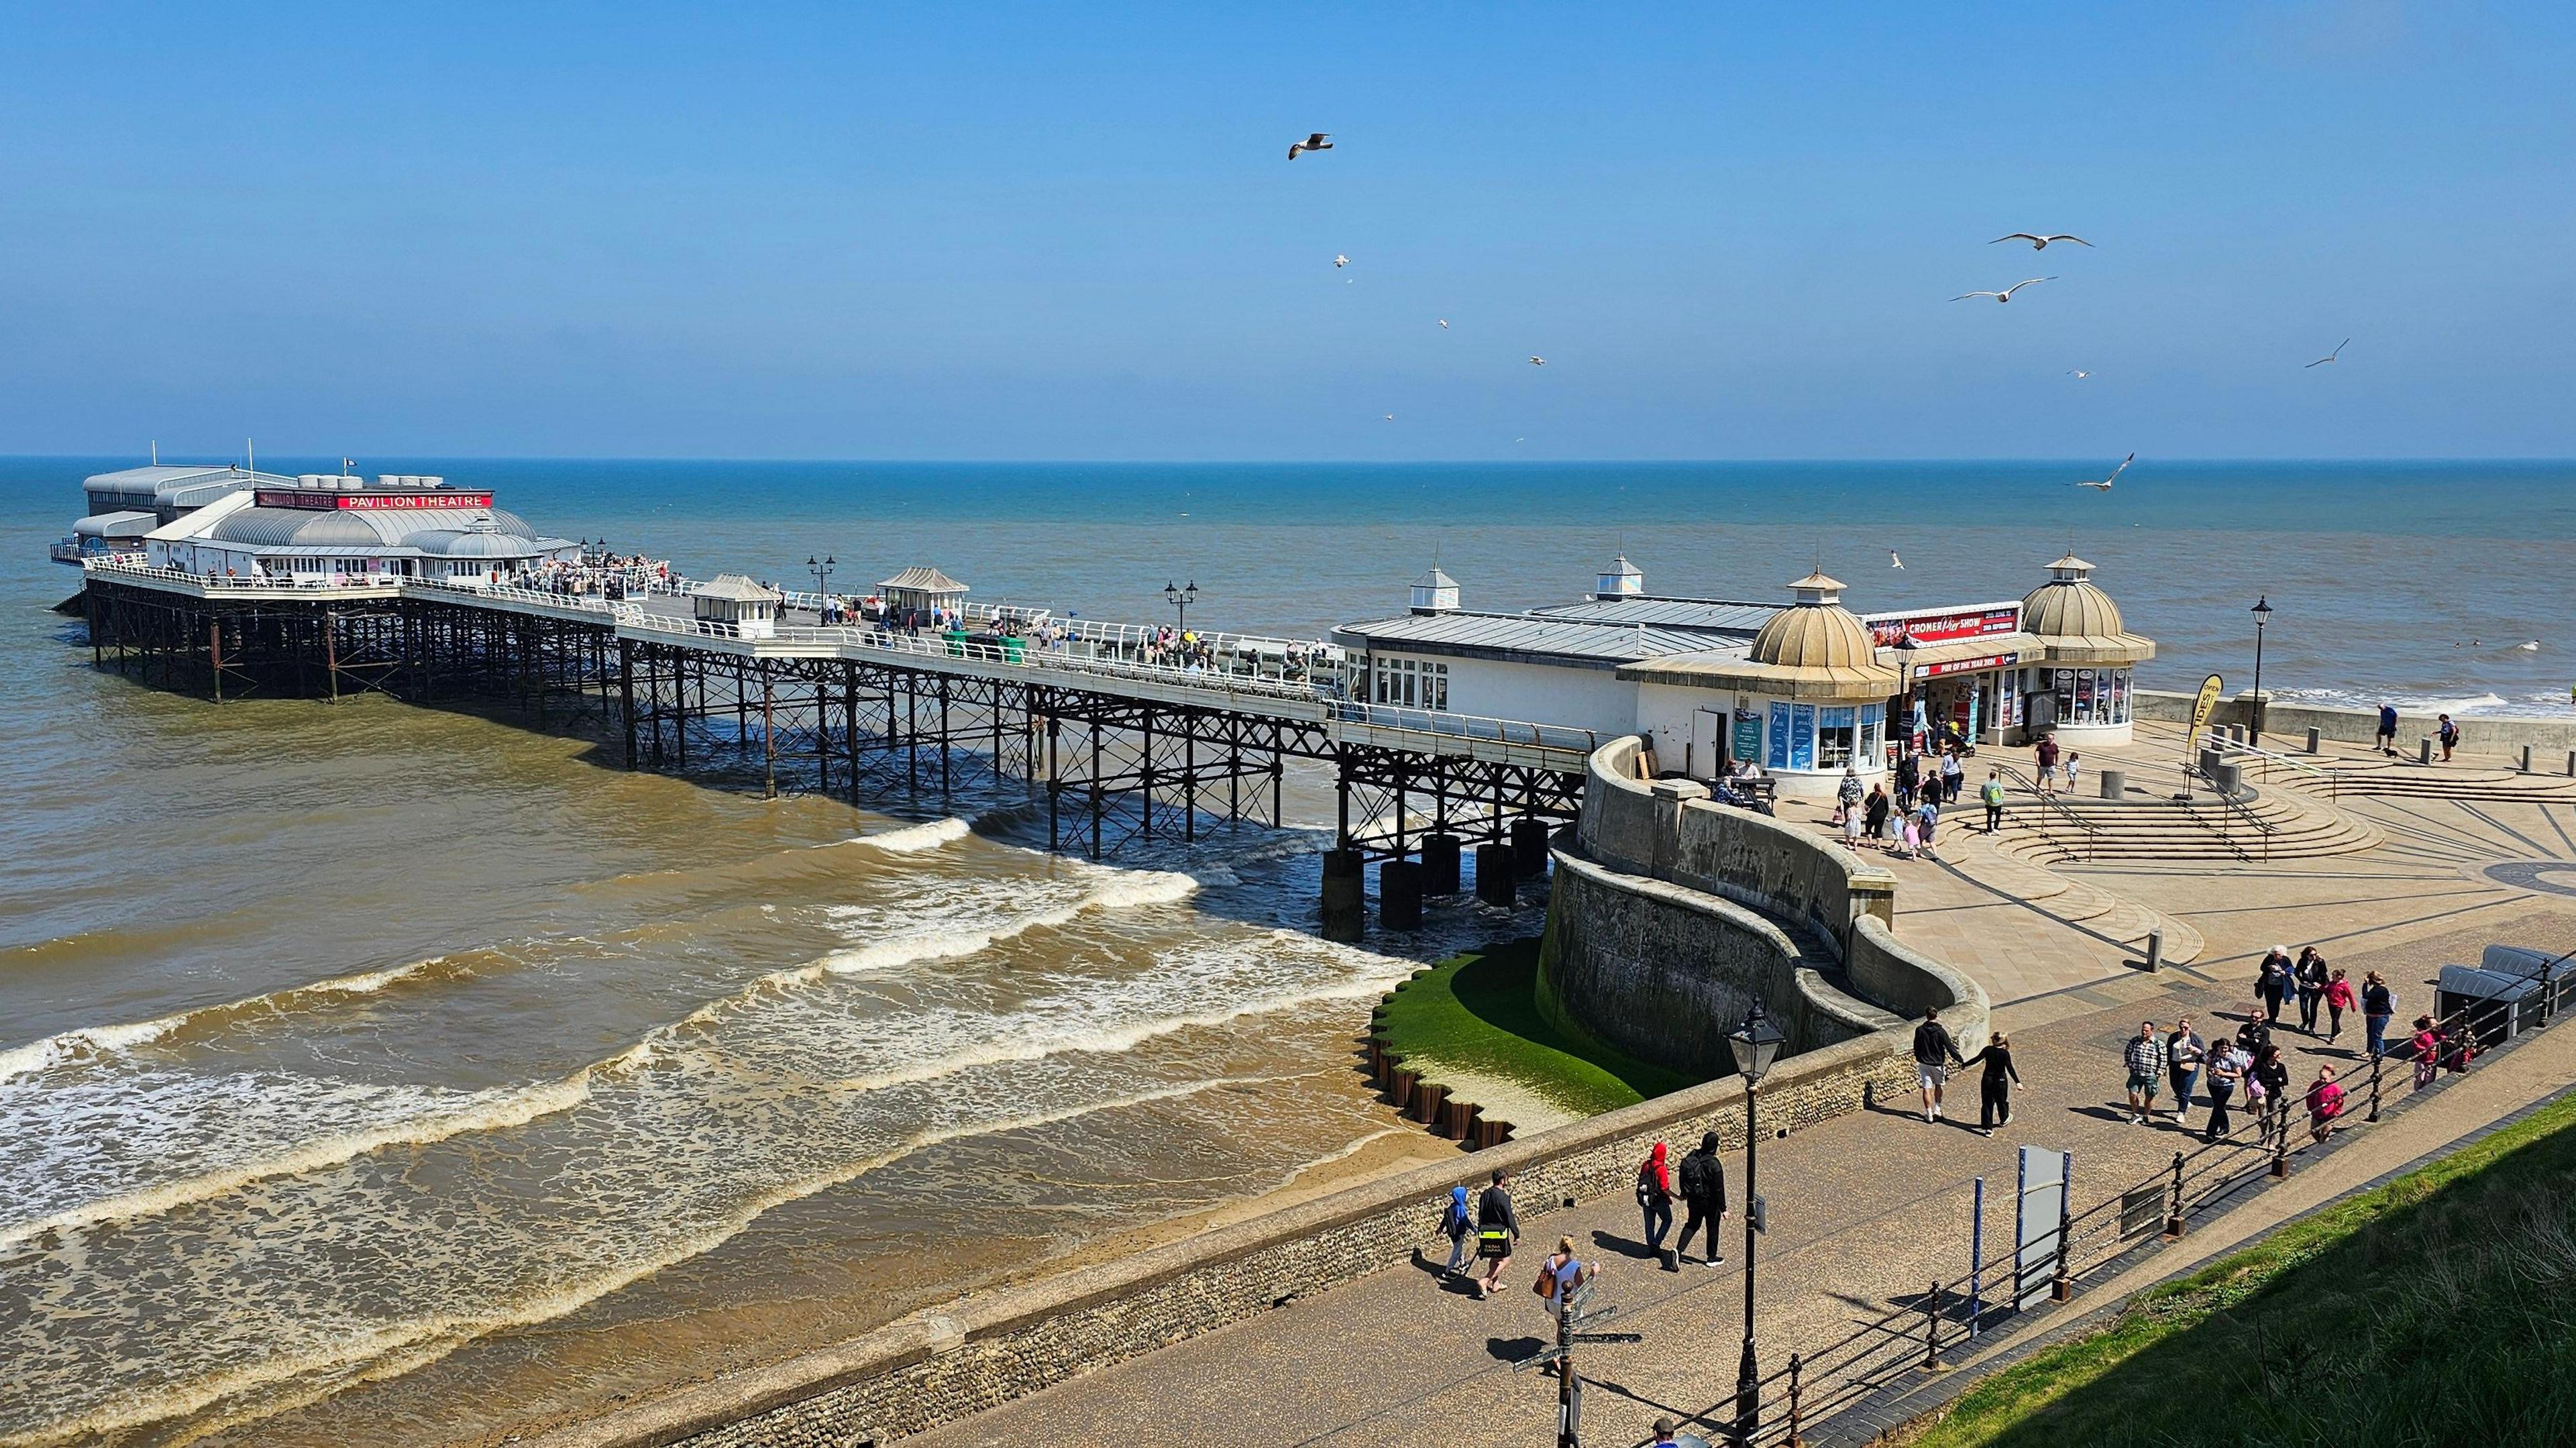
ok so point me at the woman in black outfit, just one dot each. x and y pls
(2274, 1073)
(1994, 1088)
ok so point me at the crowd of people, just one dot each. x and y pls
(1905, 820)
(594, 575)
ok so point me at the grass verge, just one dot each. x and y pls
(1478, 1012)
(2433, 1310)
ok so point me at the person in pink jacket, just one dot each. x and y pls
(2339, 999)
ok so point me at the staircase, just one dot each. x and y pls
(2258, 824)
(2073, 901)
(2405, 779)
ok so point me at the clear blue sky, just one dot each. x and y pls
(1072, 232)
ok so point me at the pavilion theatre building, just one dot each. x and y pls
(1804, 691)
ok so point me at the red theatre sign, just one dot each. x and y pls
(1886, 630)
(324, 501)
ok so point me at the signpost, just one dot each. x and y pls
(1569, 1333)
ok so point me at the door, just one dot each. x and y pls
(1707, 756)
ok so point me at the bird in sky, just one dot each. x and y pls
(1444, 324)
(2040, 243)
(1520, 439)
(1316, 142)
(2330, 356)
(2104, 485)
(1538, 361)
(1893, 561)
(1390, 417)
(2006, 294)
(1340, 260)
(2079, 374)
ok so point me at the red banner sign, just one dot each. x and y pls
(1887, 629)
(1967, 666)
(323, 500)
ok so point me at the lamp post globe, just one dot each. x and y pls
(1755, 1045)
(1181, 596)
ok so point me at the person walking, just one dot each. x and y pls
(2272, 981)
(1655, 1198)
(1847, 802)
(1992, 794)
(2449, 734)
(2045, 752)
(1457, 1223)
(1874, 814)
(1909, 773)
(2339, 999)
(2073, 761)
(1498, 1229)
(1994, 1086)
(2227, 1064)
(2309, 975)
(2145, 1057)
(2388, 729)
(2325, 1103)
(1927, 818)
(2428, 1047)
(1558, 1275)
(2185, 1054)
(2272, 1072)
(1909, 836)
(2377, 1005)
(1704, 1197)
(1934, 1054)
(2256, 1033)
(1954, 775)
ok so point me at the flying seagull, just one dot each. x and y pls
(2330, 356)
(1315, 142)
(1390, 417)
(2006, 294)
(1444, 324)
(1893, 561)
(1538, 361)
(2079, 374)
(2040, 243)
(1340, 260)
(2104, 485)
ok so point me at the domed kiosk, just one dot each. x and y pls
(1805, 700)
(2081, 688)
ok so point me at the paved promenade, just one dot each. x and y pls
(1870, 1208)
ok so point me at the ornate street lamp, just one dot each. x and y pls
(1756, 1045)
(2262, 615)
(1181, 596)
(821, 569)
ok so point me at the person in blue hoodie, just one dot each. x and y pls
(1456, 1222)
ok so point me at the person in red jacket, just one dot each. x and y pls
(1655, 1198)
(2339, 999)
(2325, 1103)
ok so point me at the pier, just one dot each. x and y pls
(681, 675)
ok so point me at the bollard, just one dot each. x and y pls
(2375, 1063)
(2229, 778)
(2173, 1214)
(2281, 1144)
(1440, 864)
(2526, 760)
(2316, 740)
(2571, 764)
(2061, 1286)
(1399, 895)
(1932, 1330)
(1494, 875)
(2155, 949)
(2424, 750)
(1344, 896)
(2115, 783)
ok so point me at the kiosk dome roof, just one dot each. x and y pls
(2070, 604)
(1816, 632)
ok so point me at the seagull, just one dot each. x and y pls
(1520, 439)
(2532, 647)
(2079, 374)
(1538, 361)
(2006, 294)
(1893, 561)
(1315, 142)
(1444, 324)
(2104, 486)
(1340, 260)
(2330, 356)
(1390, 417)
(2040, 243)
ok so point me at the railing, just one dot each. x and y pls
(1894, 1348)
(261, 583)
(587, 602)
(67, 551)
(2086, 830)
(2270, 758)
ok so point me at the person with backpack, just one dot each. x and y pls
(1927, 818)
(1457, 1223)
(1704, 1195)
(1992, 793)
(1655, 1198)
(2310, 977)
(1498, 1227)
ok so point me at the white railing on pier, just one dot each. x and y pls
(118, 567)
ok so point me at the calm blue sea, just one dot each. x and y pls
(2414, 580)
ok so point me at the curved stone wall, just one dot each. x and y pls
(1669, 914)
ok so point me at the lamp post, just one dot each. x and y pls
(2262, 615)
(1181, 596)
(1755, 1044)
(820, 568)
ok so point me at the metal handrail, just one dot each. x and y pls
(2090, 830)
(2270, 758)
(264, 583)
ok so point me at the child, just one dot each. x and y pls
(1910, 837)
(2325, 1103)
(2072, 758)
(1455, 1220)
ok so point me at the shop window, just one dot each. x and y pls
(1778, 758)
(1837, 737)
(1802, 736)
(1873, 727)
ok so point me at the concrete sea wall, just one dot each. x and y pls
(1670, 914)
(2480, 734)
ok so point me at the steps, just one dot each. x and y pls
(2263, 824)
(2075, 902)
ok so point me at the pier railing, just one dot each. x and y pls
(116, 567)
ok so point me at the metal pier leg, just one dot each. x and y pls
(1148, 772)
(943, 735)
(1095, 789)
(912, 728)
(1189, 786)
(215, 654)
(768, 736)
(331, 655)
(626, 694)
(1278, 771)
(1054, 785)
(850, 722)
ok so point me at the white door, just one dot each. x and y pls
(1707, 744)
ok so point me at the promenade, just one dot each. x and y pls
(1870, 1208)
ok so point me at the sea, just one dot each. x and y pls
(373, 1073)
